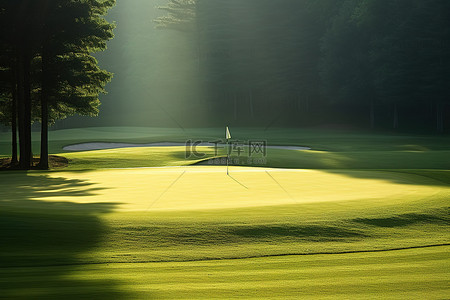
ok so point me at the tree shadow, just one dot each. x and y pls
(440, 218)
(437, 178)
(305, 232)
(431, 178)
(430, 167)
(41, 241)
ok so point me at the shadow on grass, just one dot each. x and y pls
(432, 166)
(121, 158)
(307, 232)
(406, 220)
(41, 241)
(160, 235)
(437, 178)
(437, 160)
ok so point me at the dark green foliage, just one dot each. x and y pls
(390, 52)
(367, 63)
(72, 32)
(47, 48)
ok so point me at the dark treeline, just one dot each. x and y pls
(382, 64)
(47, 71)
(366, 63)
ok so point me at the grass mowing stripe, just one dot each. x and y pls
(230, 258)
(388, 275)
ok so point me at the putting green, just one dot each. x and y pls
(204, 188)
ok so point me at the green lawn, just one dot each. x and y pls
(407, 274)
(320, 140)
(372, 222)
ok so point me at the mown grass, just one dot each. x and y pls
(133, 158)
(276, 158)
(86, 238)
(317, 139)
(408, 274)
(329, 149)
(90, 231)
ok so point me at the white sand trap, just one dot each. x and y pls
(102, 146)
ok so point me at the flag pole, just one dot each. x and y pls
(228, 137)
(228, 155)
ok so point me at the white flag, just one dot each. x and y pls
(228, 134)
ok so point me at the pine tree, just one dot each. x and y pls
(71, 77)
(49, 46)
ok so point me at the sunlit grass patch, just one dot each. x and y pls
(408, 274)
(202, 187)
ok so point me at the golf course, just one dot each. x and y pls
(360, 222)
(224, 149)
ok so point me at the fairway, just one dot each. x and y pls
(406, 274)
(192, 232)
(145, 222)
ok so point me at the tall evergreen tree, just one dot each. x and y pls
(49, 45)
(71, 77)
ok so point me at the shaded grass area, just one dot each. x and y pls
(442, 176)
(55, 162)
(307, 231)
(408, 219)
(276, 158)
(110, 255)
(317, 139)
(34, 232)
(357, 160)
(330, 149)
(133, 158)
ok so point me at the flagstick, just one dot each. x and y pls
(228, 155)
(227, 137)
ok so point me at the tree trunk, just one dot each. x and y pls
(395, 123)
(21, 111)
(27, 86)
(14, 158)
(43, 160)
(24, 109)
